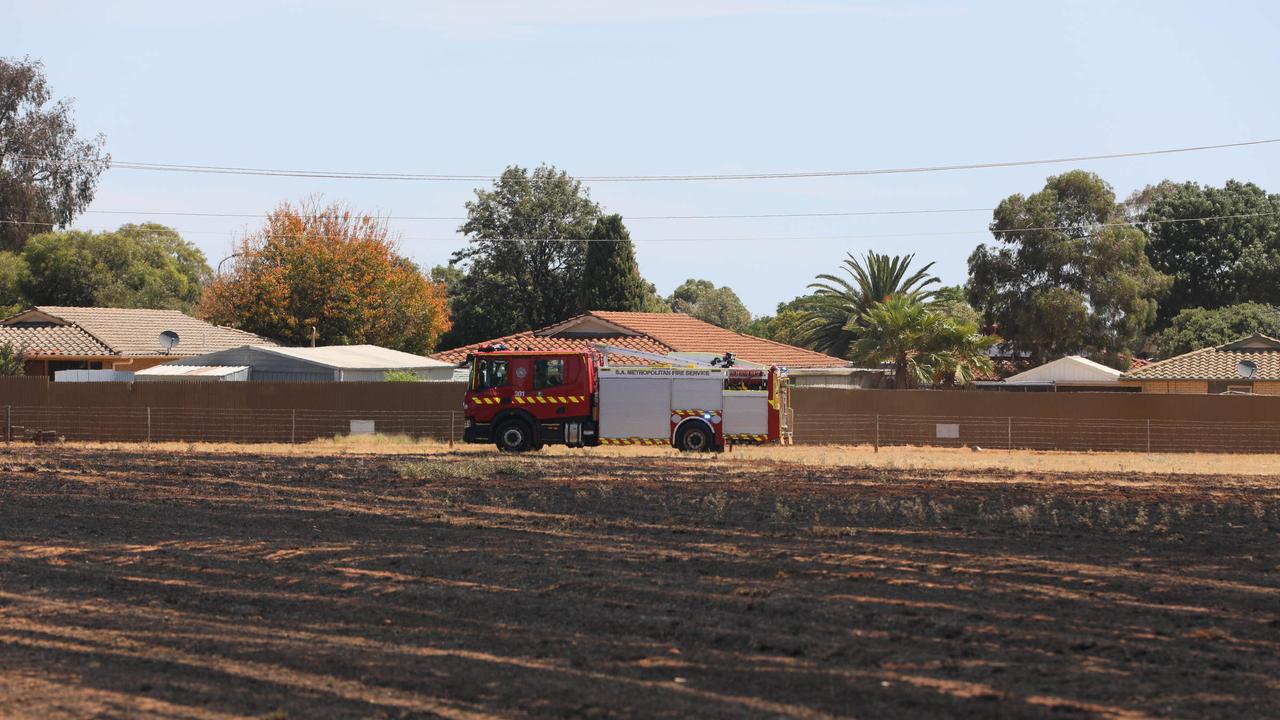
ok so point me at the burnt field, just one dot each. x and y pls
(210, 585)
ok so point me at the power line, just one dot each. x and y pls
(360, 175)
(1046, 228)
(847, 213)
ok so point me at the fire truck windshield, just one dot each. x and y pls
(490, 373)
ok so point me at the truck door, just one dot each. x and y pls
(560, 382)
(490, 387)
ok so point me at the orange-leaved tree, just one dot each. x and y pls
(332, 269)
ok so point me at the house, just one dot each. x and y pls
(1067, 374)
(1249, 365)
(54, 338)
(662, 333)
(330, 363)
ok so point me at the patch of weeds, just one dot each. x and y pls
(1139, 520)
(1024, 515)
(830, 531)
(461, 469)
(913, 510)
(717, 503)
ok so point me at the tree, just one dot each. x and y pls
(331, 269)
(837, 305)
(953, 302)
(448, 277)
(611, 276)
(146, 266)
(525, 255)
(1232, 258)
(924, 345)
(1067, 275)
(708, 303)
(653, 301)
(787, 325)
(12, 360)
(1197, 328)
(13, 278)
(47, 173)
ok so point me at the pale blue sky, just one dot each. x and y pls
(662, 87)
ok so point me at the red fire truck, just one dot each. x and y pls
(523, 400)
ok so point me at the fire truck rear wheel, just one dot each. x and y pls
(514, 436)
(695, 437)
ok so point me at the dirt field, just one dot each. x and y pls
(175, 583)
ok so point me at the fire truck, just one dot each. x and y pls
(523, 400)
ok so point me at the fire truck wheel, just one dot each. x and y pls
(695, 437)
(514, 436)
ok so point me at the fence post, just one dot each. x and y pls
(148, 425)
(877, 432)
(293, 426)
(451, 413)
(1148, 436)
(1011, 433)
(8, 423)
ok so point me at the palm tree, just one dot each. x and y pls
(960, 353)
(834, 311)
(924, 346)
(896, 330)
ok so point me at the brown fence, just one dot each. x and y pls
(297, 412)
(1041, 421)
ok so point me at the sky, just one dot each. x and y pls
(662, 87)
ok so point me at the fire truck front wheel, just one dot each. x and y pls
(695, 437)
(514, 436)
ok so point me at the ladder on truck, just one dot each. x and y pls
(669, 360)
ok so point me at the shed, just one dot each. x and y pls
(331, 363)
(202, 373)
(1067, 373)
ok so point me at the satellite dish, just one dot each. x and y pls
(1247, 369)
(168, 340)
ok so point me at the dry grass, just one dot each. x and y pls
(360, 582)
(862, 456)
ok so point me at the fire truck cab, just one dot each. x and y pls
(523, 400)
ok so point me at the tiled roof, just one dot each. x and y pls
(665, 333)
(689, 334)
(1138, 363)
(530, 341)
(45, 339)
(128, 332)
(1217, 363)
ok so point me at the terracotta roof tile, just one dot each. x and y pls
(47, 339)
(1216, 363)
(1138, 363)
(663, 333)
(529, 341)
(683, 333)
